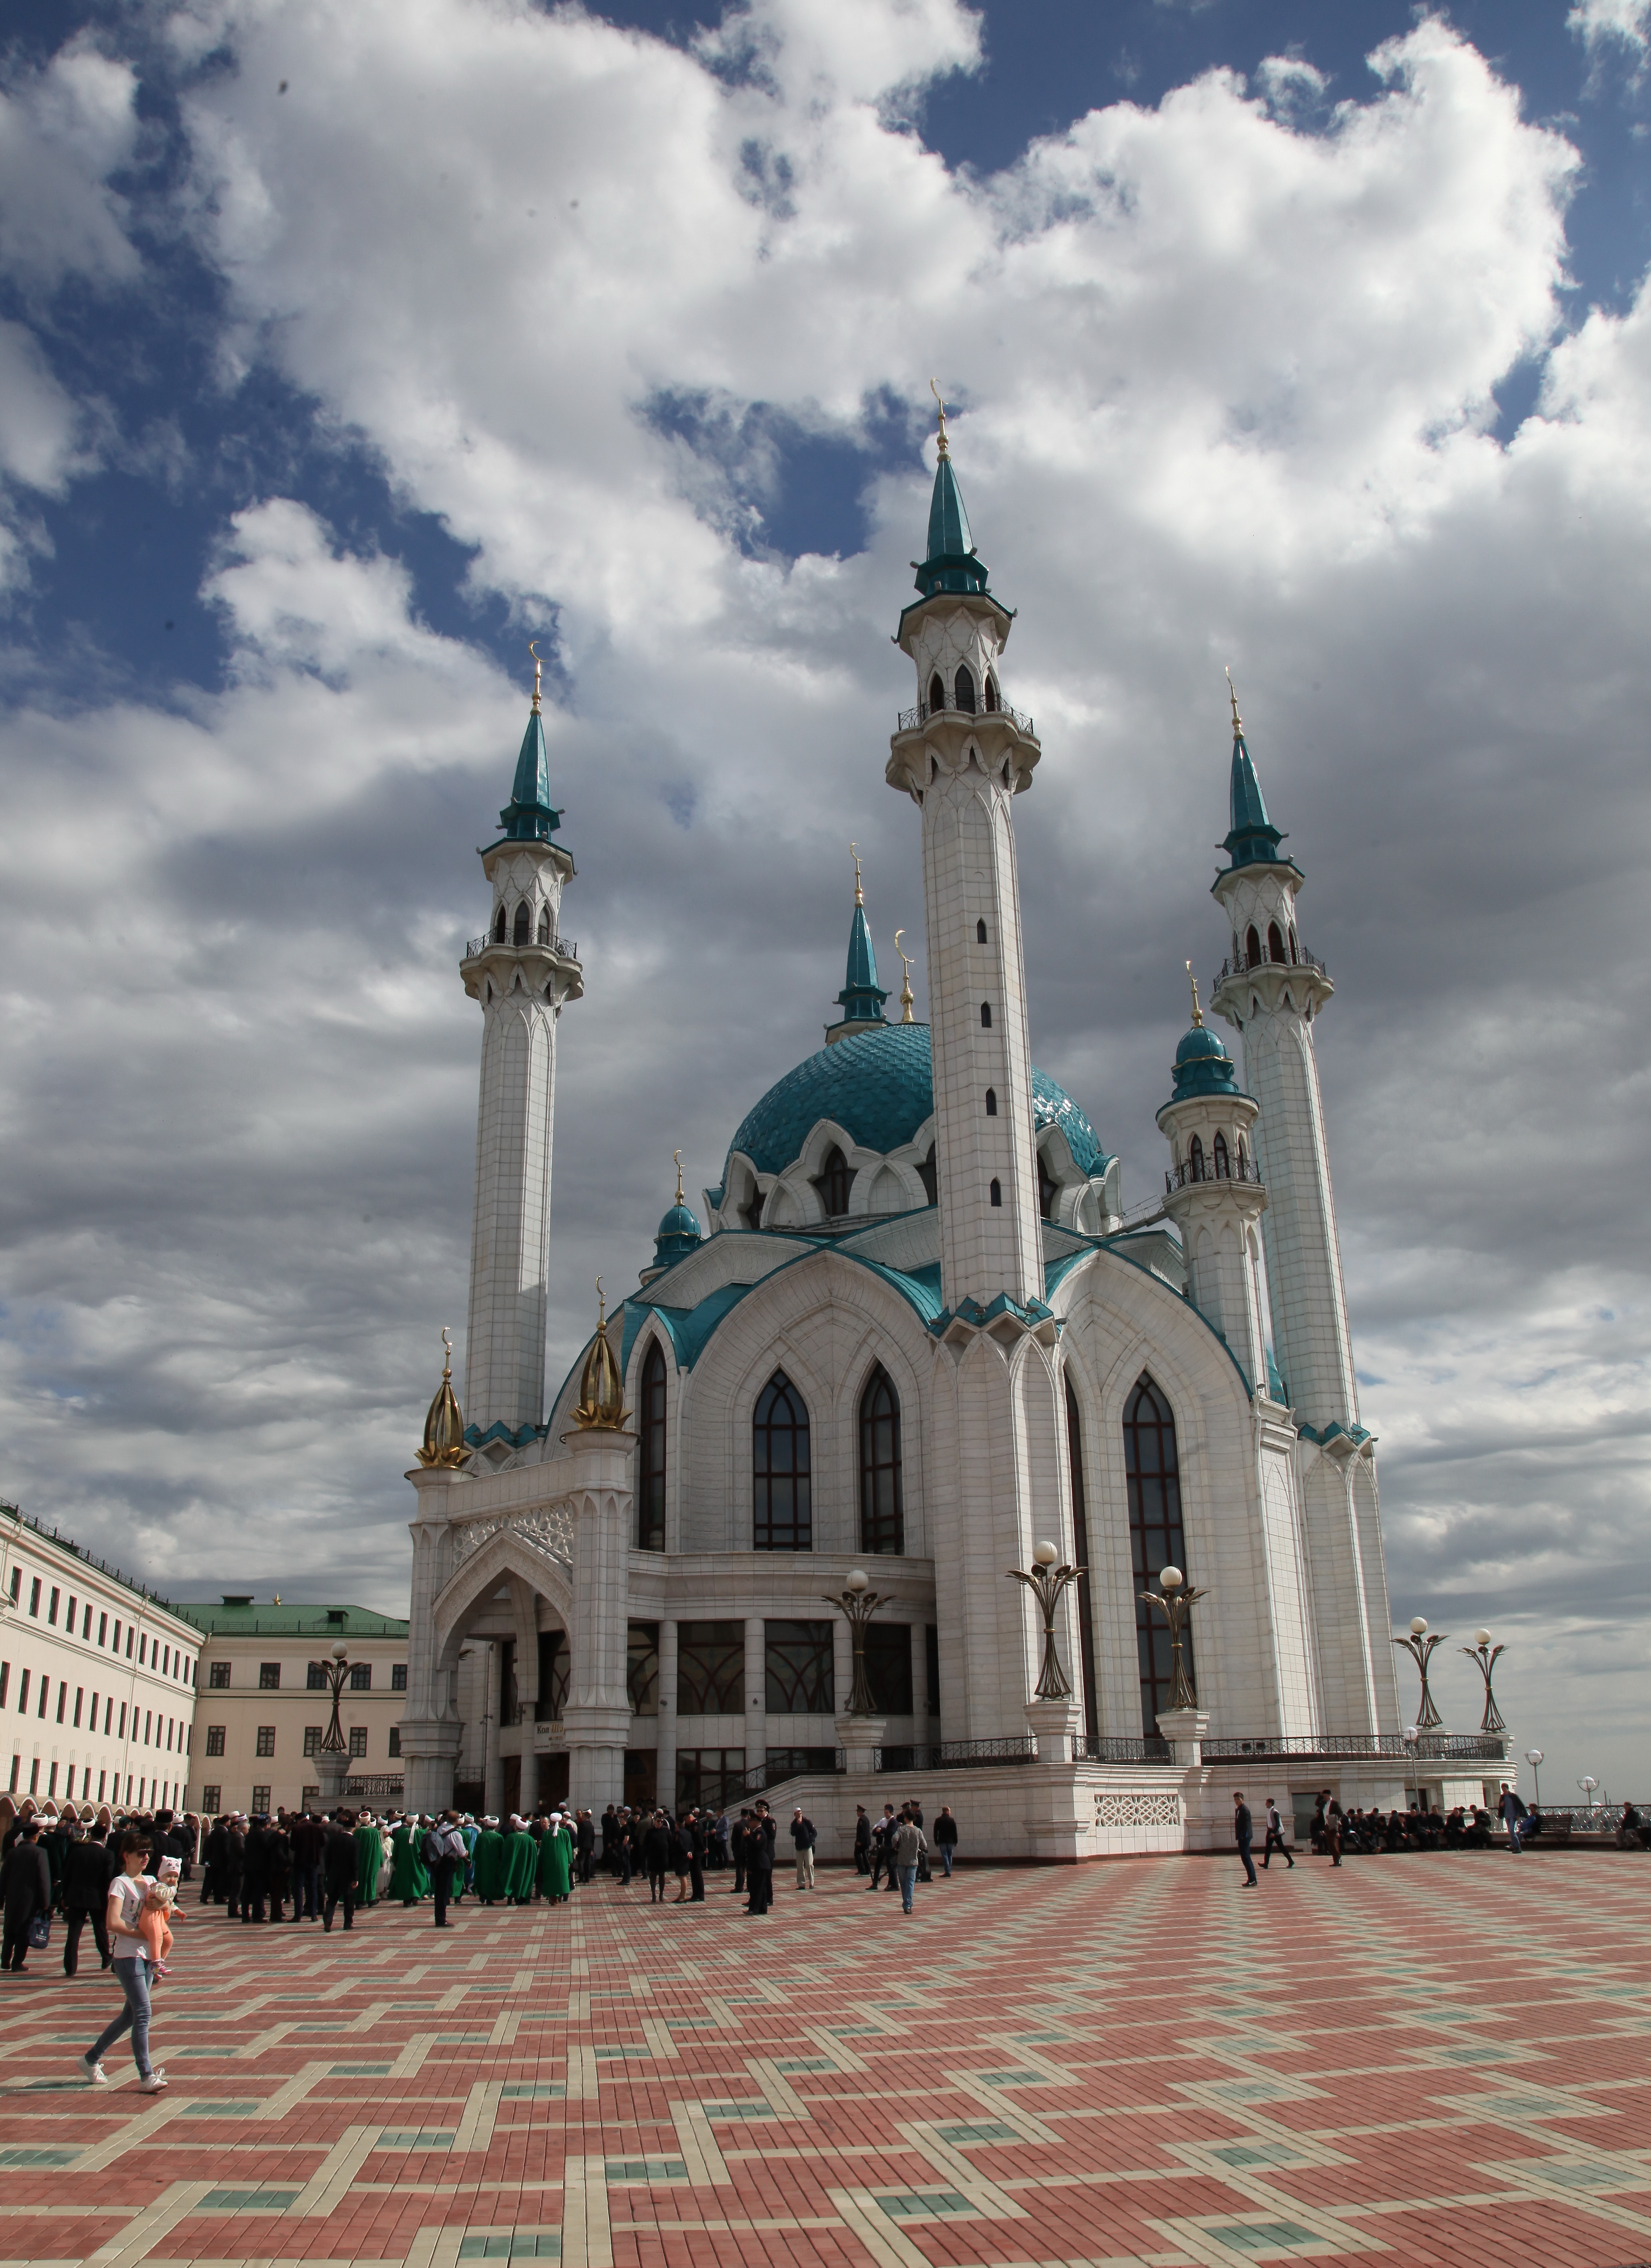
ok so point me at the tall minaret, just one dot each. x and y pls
(961, 755)
(1271, 990)
(521, 972)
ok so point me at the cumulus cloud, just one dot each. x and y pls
(1607, 24)
(63, 130)
(1226, 390)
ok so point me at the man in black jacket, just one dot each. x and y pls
(26, 1890)
(255, 1879)
(759, 1860)
(695, 1825)
(339, 1860)
(308, 1842)
(85, 1896)
(232, 1868)
(1244, 1835)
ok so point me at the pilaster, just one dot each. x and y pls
(597, 1713)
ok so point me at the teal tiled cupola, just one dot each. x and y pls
(1202, 1065)
(1252, 839)
(951, 564)
(529, 816)
(679, 1233)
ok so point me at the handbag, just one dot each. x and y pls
(40, 1932)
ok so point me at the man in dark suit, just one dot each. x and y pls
(26, 1889)
(1244, 1835)
(759, 1860)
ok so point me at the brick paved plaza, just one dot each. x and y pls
(1432, 2060)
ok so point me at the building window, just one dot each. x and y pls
(23, 1694)
(710, 1669)
(315, 1677)
(992, 1102)
(651, 1452)
(980, 933)
(709, 1777)
(888, 1668)
(995, 1193)
(17, 1765)
(361, 1677)
(35, 1596)
(1155, 1536)
(554, 1662)
(992, 691)
(142, 1652)
(783, 1519)
(1048, 1188)
(522, 928)
(937, 692)
(357, 1740)
(17, 1583)
(5, 1682)
(883, 1513)
(1275, 942)
(398, 1678)
(312, 1741)
(103, 1630)
(211, 1797)
(218, 1676)
(51, 1612)
(149, 1723)
(121, 1735)
(1252, 947)
(395, 1739)
(68, 1619)
(834, 1182)
(544, 926)
(131, 1634)
(1195, 1159)
(270, 1677)
(80, 1695)
(932, 1647)
(985, 1015)
(63, 1697)
(642, 1668)
(797, 1669)
(1223, 1163)
(46, 1695)
(266, 1740)
(260, 1799)
(215, 1740)
(928, 1173)
(965, 684)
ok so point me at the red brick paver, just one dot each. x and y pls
(1441, 2059)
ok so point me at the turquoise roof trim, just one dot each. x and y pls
(528, 816)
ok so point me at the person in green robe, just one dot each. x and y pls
(369, 1861)
(487, 1862)
(408, 1880)
(519, 1863)
(556, 1862)
(467, 1880)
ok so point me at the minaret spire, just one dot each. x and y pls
(862, 996)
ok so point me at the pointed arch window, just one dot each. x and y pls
(499, 919)
(937, 693)
(928, 1173)
(1195, 1159)
(996, 1192)
(1295, 943)
(1275, 942)
(992, 691)
(1252, 947)
(1048, 1188)
(523, 930)
(1243, 1161)
(834, 1182)
(1156, 1540)
(883, 1511)
(965, 684)
(1223, 1162)
(782, 1516)
(544, 924)
(985, 1015)
(651, 1454)
(992, 1102)
(980, 931)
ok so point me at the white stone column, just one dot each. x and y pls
(597, 1713)
(492, 1766)
(431, 1730)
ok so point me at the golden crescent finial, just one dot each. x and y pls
(602, 1305)
(906, 994)
(1197, 1013)
(446, 1352)
(941, 446)
(1238, 722)
(678, 1156)
(854, 852)
(533, 648)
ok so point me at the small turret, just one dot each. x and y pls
(679, 1233)
(601, 1408)
(443, 1443)
(862, 996)
(529, 816)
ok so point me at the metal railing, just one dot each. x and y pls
(1242, 966)
(1114, 1749)
(1428, 1748)
(1588, 1819)
(381, 1787)
(1184, 1177)
(910, 719)
(562, 946)
(956, 1756)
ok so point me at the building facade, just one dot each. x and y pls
(97, 1679)
(263, 1703)
(914, 1337)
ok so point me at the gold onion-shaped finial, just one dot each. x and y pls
(443, 1426)
(601, 1403)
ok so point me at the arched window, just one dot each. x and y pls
(1223, 1163)
(1252, 947)
(992, 1102)
(985, 1015)
(1275, 942)
(992, 691)
(937, 693)
(1295, 943)
(1243, 1161)
(996, 1193)
(523, 928)
(651, 1454)
(1195, 1159)
(834, 1182)
(883, 1513)
(1080, 1544)
(1048, 1188)
(544, 924)
(980, 933)
(498, 926)
(929, 1176)
(965, 685)
(781, 1519)
(1153, 1477)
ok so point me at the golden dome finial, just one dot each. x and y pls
(1232, 695)
(906, 994)
(854, 853)
(533, 648)
(1197, 1013)
(601, 1408)
(678, 1156)
(444, 1423)
(942, 447)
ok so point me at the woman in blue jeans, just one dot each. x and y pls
(131, 1967)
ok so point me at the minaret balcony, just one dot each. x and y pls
(1245, 967)
(1189, 1175)
(559, 949)
(1306, 979)
(913, 720)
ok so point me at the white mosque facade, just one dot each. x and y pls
(912, 1341)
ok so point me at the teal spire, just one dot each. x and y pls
(861, 999)
(951, 564)
(529, 817)
(1252, 839)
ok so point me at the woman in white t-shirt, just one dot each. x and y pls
(130, 1963)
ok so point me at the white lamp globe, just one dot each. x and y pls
(1170, 1579)
(1045, 1554)
(1418, 1626)
(1534, 1756)
(858, 1579)
(340, 1652)
(1481, 1638)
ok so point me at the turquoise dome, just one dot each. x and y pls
(879, 1086)
(675, 1237)
(1203, 1066)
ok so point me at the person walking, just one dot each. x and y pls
(1512, 1806)
(442, 1853)
(741, 1838)
(254, 1878)
(213, 1863)
(909, 1844)
(804, 1835)
(309, 1841)
(1244, 1835)
(1334, 1818)
(586, 1842)
(341, 1870)
(1275, 1837)
(85, 1896)
(232, 1868)
(862, 1841)
(759, 1860)
(697, 1841)
(882, 1836)
(656, 1853)
(946, 1838)
(718, 1849)
(127, 1894)
(26, 1889)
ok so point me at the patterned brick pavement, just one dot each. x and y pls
(1435, 2059)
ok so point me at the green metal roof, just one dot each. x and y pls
(528, 816)
(265, 1619)
(862, 996)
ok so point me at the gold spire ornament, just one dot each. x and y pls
(538, 666)
(854, 853)
(678, 1156)
(942, 447)
(1232, 695)
(601, 1408)
(1197, 1013)
(906, 994)
(443, 1445)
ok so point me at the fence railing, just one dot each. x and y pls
(1114, 1749)
(1184, 1176)
(1242, 966)
(1428, 1748)
(1589, 1819)
(910, 719)
(563, 945)
(372, 1788)
(956, 1756)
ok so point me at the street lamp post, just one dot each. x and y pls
(332, 1764)
(1046, 1582)
(1410, 1738)
(1175, 1603)
(859, 1603)
(1420, 1648)
(1588, 1784)
(1487, 1656)
(1533, 1757)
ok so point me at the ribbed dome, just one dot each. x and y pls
(676, 1236)
(1203, 1066)
(879, 1086)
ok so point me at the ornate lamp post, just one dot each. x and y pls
(333, 1762)
(1175, 1605)
(1046, 1582)
(1420, 1648)
(1487, 1656)
(1588, 1784)
(859, 1602)
(1533, 1757)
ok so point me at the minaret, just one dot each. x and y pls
(1271, 990)
(1213, 1193)
(521, 972)
(862, 996)
(961, 755)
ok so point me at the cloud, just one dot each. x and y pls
(1602, 25)
(63, 130)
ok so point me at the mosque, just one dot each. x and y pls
(763, 1537)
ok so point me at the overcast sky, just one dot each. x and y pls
(343, 349)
